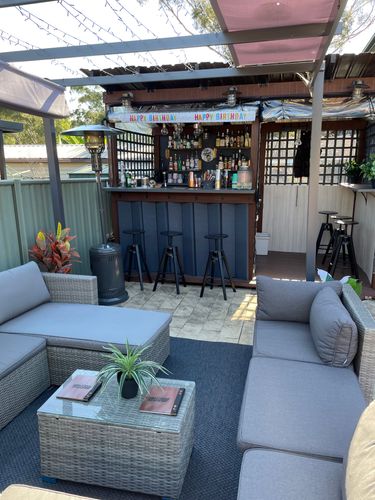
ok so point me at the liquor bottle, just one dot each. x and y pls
(227, 138)
(231, 139)
(196, 161)
(233, 163)
(188, 163)
(179, 164)
(217, 142)
(170, 166)
(221, 163)
(188, 143)
(234, 141)
(175, 163)
(247, 143)
(191, 161)
(238, 139)
(183, 167)
(170, 142)
(242, 140)
(222, 140)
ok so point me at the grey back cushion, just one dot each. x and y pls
(333, 330)
(21, 289)
(288, 300)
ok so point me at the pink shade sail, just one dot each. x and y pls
(238, 15)
(307, 49)
(255, 14)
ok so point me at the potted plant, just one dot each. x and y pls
(131, 371)
(53, 251)
(368, 170)
(353, 171)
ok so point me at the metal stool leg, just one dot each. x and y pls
(143, 259)
(167, 255)
(140, 272)
(129, 257)
(335, 255)
(228, 271)
(180, 266)
(352, 258)
(331, 245)
(205, 275)
(319, 239)
(176, 277)
(161, 266)
(222, 275)
(212, 270)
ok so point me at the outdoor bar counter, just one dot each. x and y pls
(195, 213)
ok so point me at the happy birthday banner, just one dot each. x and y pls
(223, 115)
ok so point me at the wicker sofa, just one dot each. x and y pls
(51, 325)
(299, 412)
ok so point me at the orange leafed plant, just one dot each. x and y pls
(54, 251)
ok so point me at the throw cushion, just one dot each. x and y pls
(333, 331)
(288, 300)
(21, 289)
(360, 469)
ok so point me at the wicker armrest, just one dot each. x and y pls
(72, 288)
(365, 359)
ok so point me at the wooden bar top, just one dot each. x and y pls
(181, 194)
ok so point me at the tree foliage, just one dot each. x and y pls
(88, 109)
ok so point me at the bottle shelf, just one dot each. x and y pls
(177, 150)
(233, 149)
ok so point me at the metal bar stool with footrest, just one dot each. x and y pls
(217, 255)
(325, 226)
(135, 249)
(171, 252)
(344, 243)
(334, 235)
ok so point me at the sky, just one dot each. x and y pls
(75, 22)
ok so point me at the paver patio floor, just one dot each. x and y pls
(208, 318)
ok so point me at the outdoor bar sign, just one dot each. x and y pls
(238, 114)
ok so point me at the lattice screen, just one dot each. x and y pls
(137, 152)
(337, 147)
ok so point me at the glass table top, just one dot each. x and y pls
(108, 408)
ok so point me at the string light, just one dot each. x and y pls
(13, 40)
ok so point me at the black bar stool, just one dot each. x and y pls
(171, 252)
(344, 243)
(325, 226)
(334, 235)
(217, 255)
(135, 249)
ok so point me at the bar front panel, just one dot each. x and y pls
(194, 220)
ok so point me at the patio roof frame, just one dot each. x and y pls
(169, 43)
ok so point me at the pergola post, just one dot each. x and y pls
(54, 172)
(3, 170)
(312, 204)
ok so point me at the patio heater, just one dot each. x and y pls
(105, 258)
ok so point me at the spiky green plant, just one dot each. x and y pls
(130, 365)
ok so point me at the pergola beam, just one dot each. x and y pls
(16, 3)
(170, 43)
(263, 69)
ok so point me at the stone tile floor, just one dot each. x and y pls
(208, 318)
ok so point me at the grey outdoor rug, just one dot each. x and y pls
(219, 371)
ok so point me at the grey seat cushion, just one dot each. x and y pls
(299, 407)
(288, 300)
(88, 326)
(285, 340)
(21, 289)
(333, 330)
(275, 475)
(16, 349)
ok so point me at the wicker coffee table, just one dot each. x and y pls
(109, 442)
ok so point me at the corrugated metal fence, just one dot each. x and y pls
(26, 207)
